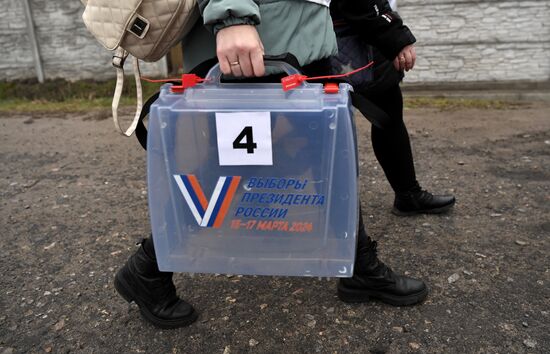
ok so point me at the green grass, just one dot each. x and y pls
(87, 95)
(60, 90)
(64, 96)
(68, 106)
(443, 103)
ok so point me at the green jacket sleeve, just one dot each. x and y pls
(218, 14)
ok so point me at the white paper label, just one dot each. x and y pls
(244, 138)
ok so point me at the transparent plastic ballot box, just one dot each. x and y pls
(245, 178)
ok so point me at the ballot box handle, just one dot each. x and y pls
(286, 63)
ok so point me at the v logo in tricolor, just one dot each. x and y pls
(208, 213)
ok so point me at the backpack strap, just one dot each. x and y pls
(369, 110)
(141, 131)
(118, 62)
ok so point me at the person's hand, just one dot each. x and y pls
(240, 51)
(405, 59)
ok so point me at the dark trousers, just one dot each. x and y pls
(392, 146)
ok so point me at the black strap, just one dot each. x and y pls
(286, 57)
(141, 131)
(369, 110)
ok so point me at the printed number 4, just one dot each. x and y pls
(249, 143)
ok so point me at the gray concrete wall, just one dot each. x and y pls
(16, 56)
(67, 49)
(462, 41)
(459, 41)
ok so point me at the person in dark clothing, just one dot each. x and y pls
(382, 31)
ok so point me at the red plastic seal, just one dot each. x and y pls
(292, 81)
(187, 81)
(331, 88)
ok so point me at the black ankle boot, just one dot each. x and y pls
(153, 291)
(418, 201)
(372, 279)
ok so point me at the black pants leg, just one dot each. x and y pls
(392, 146)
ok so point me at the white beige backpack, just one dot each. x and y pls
(146, 29)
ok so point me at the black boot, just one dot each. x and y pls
(153, 291)
(418, 201)
(372, 279)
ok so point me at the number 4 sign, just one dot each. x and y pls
(244, 138)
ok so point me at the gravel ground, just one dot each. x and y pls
(74, 202)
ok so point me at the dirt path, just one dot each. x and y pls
(74, 202)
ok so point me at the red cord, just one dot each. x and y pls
(187, 81)
(292, 81)
(156, 81)
(288, 82)
(342, 75)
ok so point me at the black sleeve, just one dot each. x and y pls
(376, 23)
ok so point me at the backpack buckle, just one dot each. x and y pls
(118, 61)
